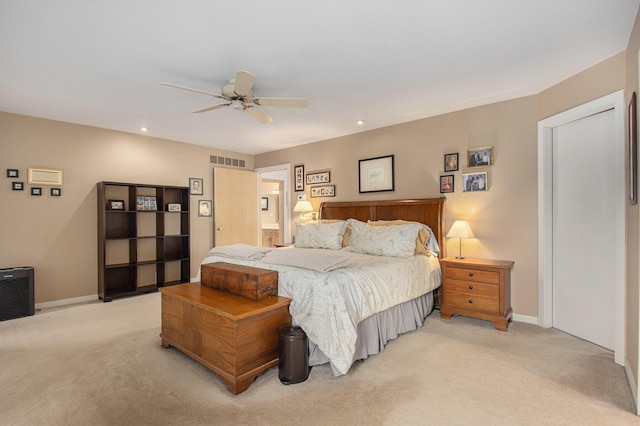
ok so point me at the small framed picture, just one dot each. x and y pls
(17, 186)
(446, 184)
(298, 172)
(195, 186)
(264, 203)
(451, 162)
(36, 190)
(321, 177)
(480, 157)
(323, 191)
(205, 208)
(12, 173)
(174, 207)
(115, 204)
(474, 182)
(56, 192)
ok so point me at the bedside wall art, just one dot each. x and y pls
(446, 184)
(376, 174)
(451, 162)
(298, 173)
(474, 182)
(480, 156)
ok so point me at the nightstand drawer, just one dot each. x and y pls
(477, 303)
(471, 288)
(474, 275)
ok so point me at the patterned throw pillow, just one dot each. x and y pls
(396, 241)
(320, 235)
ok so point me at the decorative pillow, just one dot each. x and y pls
(320, 235)
(424, 242)
(347, 232)
(397, 241)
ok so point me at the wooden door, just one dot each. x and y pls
(236, 208)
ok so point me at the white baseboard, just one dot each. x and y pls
(525, 318)
(62, 302)
(633, 385)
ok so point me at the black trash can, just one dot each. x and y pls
(293, 349)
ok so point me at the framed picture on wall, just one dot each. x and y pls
(451, 162)
(205, 208)
(376, 174)
(298, 172)
(474, 182)
(195, 186)
(446, 184)
(633, 150)
(480, 156)
(264, 203)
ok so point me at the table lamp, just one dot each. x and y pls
(460, 229)
(304, 207)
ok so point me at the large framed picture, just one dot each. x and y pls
(474, 182)
(298, 172)
(446, 184)
(480, 156)
(451, 162)
(195, 186)
(376, 174)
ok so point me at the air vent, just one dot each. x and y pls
(226, 161)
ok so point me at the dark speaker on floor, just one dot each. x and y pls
(16, 293)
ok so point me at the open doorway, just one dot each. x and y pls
(274, 205)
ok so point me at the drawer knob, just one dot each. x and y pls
(470, 274)
(470, 287)
(470, 300)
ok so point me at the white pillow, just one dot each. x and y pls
(320, 235)
(396, 241)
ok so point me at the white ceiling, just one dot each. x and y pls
(98, 62)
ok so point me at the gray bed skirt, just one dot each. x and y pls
(375, 331)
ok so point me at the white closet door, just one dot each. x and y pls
(583, 229)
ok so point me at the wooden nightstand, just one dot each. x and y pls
(478, 288)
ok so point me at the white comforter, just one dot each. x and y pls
(330, 305)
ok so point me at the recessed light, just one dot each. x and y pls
(360, 122)
(144, 129)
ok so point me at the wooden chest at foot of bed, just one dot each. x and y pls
(246, 281)
(234, 337)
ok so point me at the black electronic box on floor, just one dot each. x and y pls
(16, 293)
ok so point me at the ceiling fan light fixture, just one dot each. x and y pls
(237, 105)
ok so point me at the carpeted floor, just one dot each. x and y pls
(102, 364)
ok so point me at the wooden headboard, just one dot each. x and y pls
(429, 211)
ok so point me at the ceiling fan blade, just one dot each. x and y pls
(215, 95)
(258, 115)
(244, 83)
(282, 102)
(211, 108)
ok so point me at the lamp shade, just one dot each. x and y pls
(303, 206)
(460, 229)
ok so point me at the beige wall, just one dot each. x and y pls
(504, 219)
(58, 235)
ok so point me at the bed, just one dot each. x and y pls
(351, 300)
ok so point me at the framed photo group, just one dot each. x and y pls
(471, 182)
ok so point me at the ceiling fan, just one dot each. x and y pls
(238, 94)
